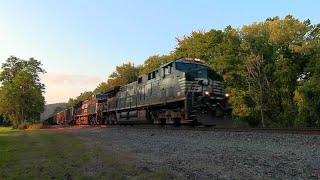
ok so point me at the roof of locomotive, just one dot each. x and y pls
(187, 60)
(182, 59)
(111, 89)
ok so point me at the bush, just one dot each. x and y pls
(23, 125)
(35, 126)
(29, 126)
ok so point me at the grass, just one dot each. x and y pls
(44, 154)
(6, 128)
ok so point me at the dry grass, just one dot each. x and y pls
(35, 126)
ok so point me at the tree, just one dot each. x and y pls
(199, 44)
(258, 83)
(124, 74)
(307, 95)
(21, 93)
(82, 97)
(153, 62)
(283, 45)
(101, 87)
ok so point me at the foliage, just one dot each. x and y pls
(35, 126)
(124, 74)
(4, 122)
(21, 93)
(23, 125)
(308, 95)
(101, 87)
(153, 62)
(282, 44)
(82, 97)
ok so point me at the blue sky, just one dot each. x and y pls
(81, 42)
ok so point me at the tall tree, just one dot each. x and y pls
(101, 87)
(307, 95)
(153, 62)
(124, 74)
(82, 97)
(282, 44)
(21, 93)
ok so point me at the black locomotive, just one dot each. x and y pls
(184, 91)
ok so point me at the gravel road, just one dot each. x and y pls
(214, 155)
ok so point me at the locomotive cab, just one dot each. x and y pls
(206, 99)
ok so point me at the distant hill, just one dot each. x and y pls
(49, 109)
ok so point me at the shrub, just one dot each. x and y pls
(23, 125)
(30, 126)
(35, 126)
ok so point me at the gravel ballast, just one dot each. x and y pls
(214, 155)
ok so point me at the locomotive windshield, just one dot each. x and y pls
(188, 66)
(203, 73)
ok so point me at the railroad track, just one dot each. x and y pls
(310, 131)
(315, 131)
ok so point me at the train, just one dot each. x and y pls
(185, 91)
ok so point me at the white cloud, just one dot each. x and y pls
(60, 86)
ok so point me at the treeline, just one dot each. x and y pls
(271, 68)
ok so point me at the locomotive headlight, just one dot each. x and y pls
(227, 95)
(206, 93)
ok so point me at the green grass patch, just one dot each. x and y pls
(5, 128)
(43, 154)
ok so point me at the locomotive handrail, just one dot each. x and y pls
(188, 90)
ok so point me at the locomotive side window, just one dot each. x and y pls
(152, 75)
(123, 93)
(167, 69)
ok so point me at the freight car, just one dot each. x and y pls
(64, 117)
(183, 91)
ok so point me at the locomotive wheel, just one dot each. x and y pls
(112, 119)
(93, 121)
(176, 122)
(162, 122)
(203, 115)
(98, 121)
(106, 121)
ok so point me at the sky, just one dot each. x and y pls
(80, 42)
